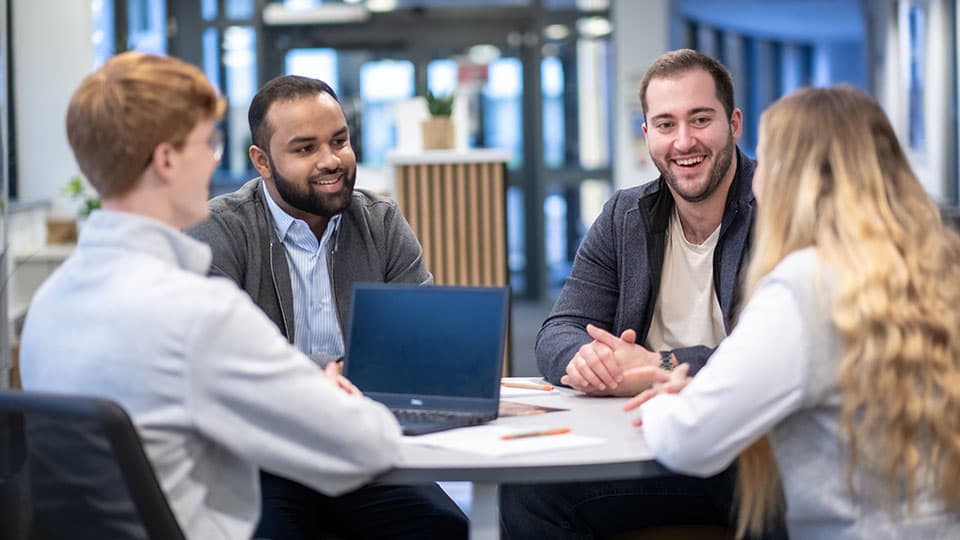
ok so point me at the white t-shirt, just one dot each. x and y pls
(687, 312)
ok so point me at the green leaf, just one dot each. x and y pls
(76, 189)
(439, 105)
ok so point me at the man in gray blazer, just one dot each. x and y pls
(659, 269)
(296, 239)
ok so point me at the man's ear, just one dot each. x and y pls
(736, 124)
(258, 156)
(164, 161)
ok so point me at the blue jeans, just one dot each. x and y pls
(292, 511)
(587, 510)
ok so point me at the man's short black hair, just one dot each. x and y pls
(285, 88)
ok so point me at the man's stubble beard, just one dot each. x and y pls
(719, 170)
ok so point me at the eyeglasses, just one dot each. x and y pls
(214, 142)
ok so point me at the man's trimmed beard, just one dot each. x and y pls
(720, 167)
(307, 200)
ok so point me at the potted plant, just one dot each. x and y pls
(438, 127)
(63, 228)
(78, 191)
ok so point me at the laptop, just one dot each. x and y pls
(432, 354)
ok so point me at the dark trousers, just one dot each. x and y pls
(292, 511)
(588, 510)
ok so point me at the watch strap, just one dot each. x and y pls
(666, 360)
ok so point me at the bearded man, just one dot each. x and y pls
(661, 262)
(296, 239)
(659, 269)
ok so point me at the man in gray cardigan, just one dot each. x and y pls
(296, 239)
(659, 269)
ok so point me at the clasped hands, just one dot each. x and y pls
(616, 366)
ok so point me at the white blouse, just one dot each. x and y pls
(778, 374)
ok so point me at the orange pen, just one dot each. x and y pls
(527, 385)
(557, 431)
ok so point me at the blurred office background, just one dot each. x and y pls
(551, 82)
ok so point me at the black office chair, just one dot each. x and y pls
(74, 467)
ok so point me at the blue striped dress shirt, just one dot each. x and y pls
(316, 328)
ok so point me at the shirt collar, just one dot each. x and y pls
(281, 220)
(139, 233)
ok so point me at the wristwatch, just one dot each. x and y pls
(666, 360)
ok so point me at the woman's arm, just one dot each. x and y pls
(753, 381)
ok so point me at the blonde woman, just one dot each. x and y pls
(848, 353)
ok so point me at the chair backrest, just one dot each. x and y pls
(74, 467)
(951, 215)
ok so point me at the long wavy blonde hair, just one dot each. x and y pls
(832, 175)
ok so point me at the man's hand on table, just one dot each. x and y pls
(598, 368)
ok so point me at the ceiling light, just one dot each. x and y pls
(593, 5)
(556, 32)
(594, 27)
(380, 6)
(276, 14)
(483, 54)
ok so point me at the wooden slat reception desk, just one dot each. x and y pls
(455, 202)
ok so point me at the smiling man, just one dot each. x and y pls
(661, 262)
(296, 239)
(658, 269)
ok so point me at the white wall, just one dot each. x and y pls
(52, 52)
(887, 88)
(938, 74)
(641, 33)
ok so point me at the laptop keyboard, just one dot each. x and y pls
(420, 416)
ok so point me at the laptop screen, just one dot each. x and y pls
(427, 341)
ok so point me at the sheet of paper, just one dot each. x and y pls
(486, 440)
(507, 392)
